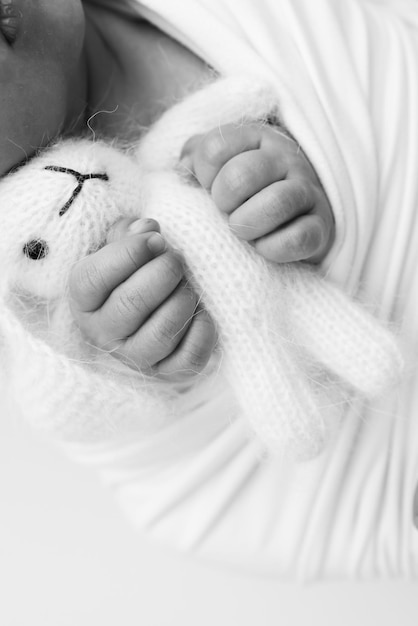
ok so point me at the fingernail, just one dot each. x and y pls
(142, 226)
(156, 243)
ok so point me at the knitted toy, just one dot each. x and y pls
(291, 345)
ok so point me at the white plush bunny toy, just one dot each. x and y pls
(290, 344)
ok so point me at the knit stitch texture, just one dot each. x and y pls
(292, 346)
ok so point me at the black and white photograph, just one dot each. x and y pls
(208, 312)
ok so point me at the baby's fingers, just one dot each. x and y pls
(93, 279)
(272, 207)
(244, 176)
(161, 333)
(304, 239)
(194, 351)
(133, 301)
(205, 155)
(130, 226)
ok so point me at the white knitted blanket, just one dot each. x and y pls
(292, 347)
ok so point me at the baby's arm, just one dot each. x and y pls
(260, 177)
(130, 298)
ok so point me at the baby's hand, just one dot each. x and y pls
(130, 298)
(260, 177)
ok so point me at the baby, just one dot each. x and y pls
(109, 66)
(62, 63)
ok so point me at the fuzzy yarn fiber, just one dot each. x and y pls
(292, 346)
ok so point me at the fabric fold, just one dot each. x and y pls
(346, 82)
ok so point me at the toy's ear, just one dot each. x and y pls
(58, 207)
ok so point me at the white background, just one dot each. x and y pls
(68, 558)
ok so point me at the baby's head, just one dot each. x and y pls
(42, 80)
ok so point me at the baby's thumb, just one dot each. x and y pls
(130, 226)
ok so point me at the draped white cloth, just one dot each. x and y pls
(346, 74)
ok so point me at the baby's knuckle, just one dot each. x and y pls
(98, 338)
(85, 279)
(164, 332)
(270, 206)
(131, 302)
(235, 175)
(317, 240)
(193, 357)
(95, 334)
(172, 267)
(212, 147)
(210, 333)
(283, 203)
(131, 256)
(118, 229)
(187, 296)
(302, 194)
(288, 199)
(308, 241)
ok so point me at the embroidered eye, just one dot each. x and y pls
(36, 249)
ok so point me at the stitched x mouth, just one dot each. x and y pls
(81, 179)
